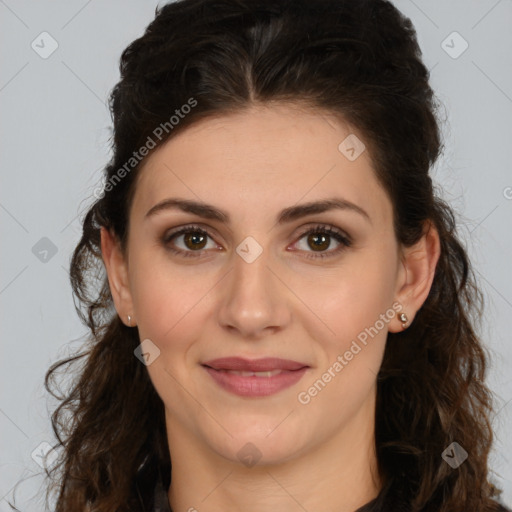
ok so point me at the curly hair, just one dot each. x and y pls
(360, 60)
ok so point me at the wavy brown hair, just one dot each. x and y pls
(357, 59)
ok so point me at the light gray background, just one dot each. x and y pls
(54, 134)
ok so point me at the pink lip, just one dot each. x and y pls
(265, 364)
(252, 386)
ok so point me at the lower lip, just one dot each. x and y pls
(253, 385)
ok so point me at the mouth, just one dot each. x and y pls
(257, 377)
(265, 364)
(270, 373)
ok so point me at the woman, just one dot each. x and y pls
(281, 312)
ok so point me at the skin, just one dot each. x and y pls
(253, 164)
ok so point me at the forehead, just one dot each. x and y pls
(273, 156)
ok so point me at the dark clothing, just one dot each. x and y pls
(156, 499)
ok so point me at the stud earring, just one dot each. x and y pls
(129, 321)
(403, 319)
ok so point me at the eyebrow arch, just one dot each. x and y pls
(292, 213)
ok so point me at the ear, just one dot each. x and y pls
(415, 277)
(117, 272)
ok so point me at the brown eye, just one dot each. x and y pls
(195, 240)
(188, 241)
(318, 241)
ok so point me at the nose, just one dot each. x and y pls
(254, 301)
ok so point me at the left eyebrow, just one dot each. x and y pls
(290, 214)
(301, 210)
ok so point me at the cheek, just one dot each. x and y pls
(172, 307)
(355, 308)
(351, 298)
(167, 299)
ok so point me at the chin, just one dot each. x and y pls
(252, 447)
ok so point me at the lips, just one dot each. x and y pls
(256, 377)
(266, 364)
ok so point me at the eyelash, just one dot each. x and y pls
(321, 229)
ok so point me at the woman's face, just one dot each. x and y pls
(258, 286)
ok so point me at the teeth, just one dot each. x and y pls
(257, 374)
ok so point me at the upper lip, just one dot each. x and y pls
(265, 364)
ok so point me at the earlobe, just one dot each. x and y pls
(419, 265)
(117, 272)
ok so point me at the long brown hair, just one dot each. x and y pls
(361, 60)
